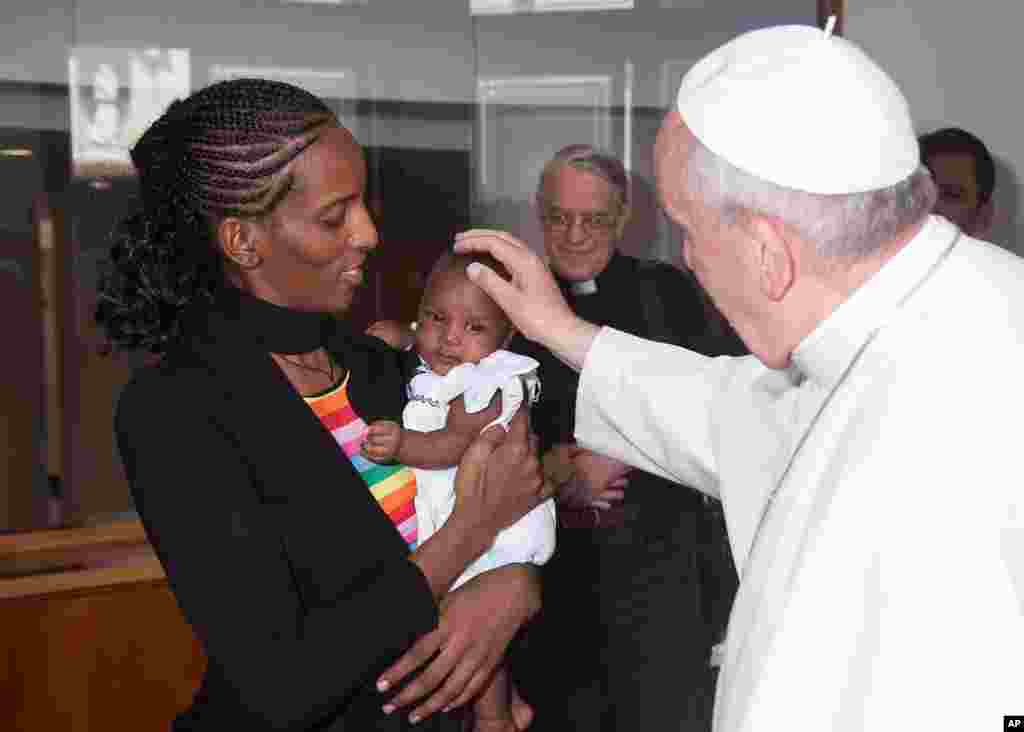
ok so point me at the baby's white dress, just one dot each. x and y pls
(532, 538)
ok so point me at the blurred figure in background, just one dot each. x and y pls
(965, 175)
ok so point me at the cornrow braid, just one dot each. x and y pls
(224, 151)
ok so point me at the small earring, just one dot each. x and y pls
(250, 260)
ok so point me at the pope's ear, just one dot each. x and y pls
(774, 256)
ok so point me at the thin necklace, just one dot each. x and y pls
(328, 372)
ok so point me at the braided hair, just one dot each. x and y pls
(221, 152)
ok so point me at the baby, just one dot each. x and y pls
(464, 373)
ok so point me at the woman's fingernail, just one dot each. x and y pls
(388, 708)
(414, 718)
(383, 685)
(473, 270)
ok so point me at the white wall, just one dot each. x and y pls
(658, 40)
(599, 43)
(409, 50)
(415, 51)
(421, 50)
(34, 37)
(959, 64)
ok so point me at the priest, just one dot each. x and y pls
(867, 466)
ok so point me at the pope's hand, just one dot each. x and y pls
(531, 299)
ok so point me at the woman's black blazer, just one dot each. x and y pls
(296, 583)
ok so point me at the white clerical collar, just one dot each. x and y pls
(824, 354)
(583, 287)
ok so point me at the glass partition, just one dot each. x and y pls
(458, 105)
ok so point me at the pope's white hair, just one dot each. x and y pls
(843, 225)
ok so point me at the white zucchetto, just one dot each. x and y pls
(801, 108)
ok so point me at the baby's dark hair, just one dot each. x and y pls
(220, 152)
(452, 262)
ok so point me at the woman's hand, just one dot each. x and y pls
(498, 481)
(478, 621)
(494, 489)
(532, 299)
(396, 334)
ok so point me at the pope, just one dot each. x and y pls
(866, 461)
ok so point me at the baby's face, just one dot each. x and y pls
(457, 323)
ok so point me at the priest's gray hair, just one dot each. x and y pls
(589, 159)
(841, 225)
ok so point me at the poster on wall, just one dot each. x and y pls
(115, 94)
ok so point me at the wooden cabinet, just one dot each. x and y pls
(97, 645)
(21, 385)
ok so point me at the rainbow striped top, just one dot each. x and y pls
(394, 486)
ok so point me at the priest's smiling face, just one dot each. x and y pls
(581, 223)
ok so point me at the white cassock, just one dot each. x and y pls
(884, 588)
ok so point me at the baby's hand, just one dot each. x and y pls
(394, 333)
(383, 439)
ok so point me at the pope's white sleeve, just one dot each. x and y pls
(648, 404)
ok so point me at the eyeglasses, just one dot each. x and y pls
(561, 221)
